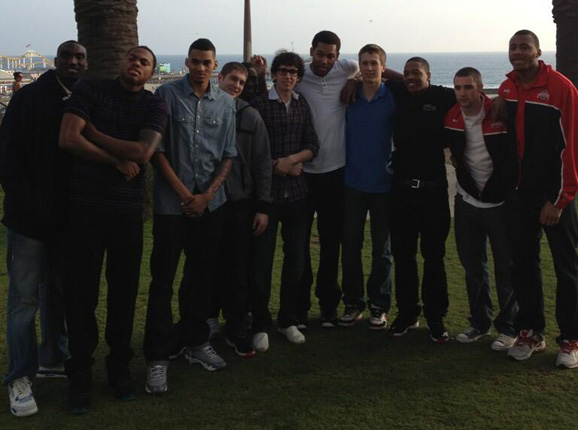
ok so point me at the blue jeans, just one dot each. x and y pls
(34, 283)
(473, 226)
(357, 204)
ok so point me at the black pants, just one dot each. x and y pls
(525, 232)
(232, 275)
(91, 235)
(420, 213)
(293, 219)
(199, 238)
(325, 197)
(357, 204)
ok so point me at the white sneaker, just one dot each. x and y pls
(503, 342)
(568, 355)
(22, 403)
(261, 341)
(292, 334)
(214, 328)
(526, 344)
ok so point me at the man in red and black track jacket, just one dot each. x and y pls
(483, 161)
(542, 124)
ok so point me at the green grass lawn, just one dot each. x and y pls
(339, 379)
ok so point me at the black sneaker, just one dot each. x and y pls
(438, 333)
(79, 392)
(120, 381)
(242, 344)
(377, 319)
(401, 326)
(329, 319)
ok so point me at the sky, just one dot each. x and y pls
(409, 26)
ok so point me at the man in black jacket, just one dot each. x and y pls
(420, 206)
(34, 174)
(480, 151)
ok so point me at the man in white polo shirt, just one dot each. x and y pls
(321, 85)
(480, 151)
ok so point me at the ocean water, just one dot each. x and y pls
(492, 65)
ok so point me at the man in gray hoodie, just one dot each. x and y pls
(248, 188)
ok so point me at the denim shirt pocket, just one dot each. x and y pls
(213, 121)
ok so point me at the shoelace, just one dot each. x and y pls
(209, 351)
(471, 331)
(22, 387)
(158, 372)
(525, 339)
(569, 346)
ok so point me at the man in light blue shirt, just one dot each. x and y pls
(367, 177)
(191, 165)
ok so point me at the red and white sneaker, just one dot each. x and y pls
(568, 355)
(527, 344)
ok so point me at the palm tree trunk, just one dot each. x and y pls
(107, 29)
(565, 14)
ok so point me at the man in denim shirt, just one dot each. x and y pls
(191, 164)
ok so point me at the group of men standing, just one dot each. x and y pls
(233, 161)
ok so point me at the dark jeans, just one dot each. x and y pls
(199, 238)
(473, 226)
(525, 232)
(231, 285)
(357, 204)
(423, 214)
(324, 197)
(293, 219)
(91, 235)
(35, 269)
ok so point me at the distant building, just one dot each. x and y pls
(164, 68)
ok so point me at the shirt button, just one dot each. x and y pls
(197, 131)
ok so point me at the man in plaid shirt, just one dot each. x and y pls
(293, 141)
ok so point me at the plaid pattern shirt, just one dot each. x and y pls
(290, 131)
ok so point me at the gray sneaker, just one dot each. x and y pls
(157, 377)
(471, 334)
(206, 356)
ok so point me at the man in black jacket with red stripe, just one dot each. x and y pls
(480, 152)
(543, 126)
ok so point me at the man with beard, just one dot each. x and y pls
(113, 127)
(34, 174)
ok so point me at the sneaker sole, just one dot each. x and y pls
(402, 333)
(51, 375)
(567, 366)
(25, 412)
(439, 340)
(500, 348)
(156, 392)
(470, 339)
(377, 327)
(349, 323)
(239, 353)
(329, 324)
(206, 365)
(527, 356)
